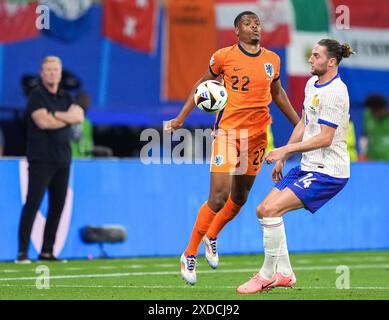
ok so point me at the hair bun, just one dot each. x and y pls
(347, 50)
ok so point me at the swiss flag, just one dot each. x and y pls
(17, 21)
(131, 23)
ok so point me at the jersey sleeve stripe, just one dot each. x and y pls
(321, 121)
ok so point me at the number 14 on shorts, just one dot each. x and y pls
(305, 181)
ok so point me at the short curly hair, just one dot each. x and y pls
(240, 16)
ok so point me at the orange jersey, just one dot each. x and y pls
(247, 78)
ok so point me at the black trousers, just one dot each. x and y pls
(42, 176)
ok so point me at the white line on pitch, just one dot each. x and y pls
(167, 273)
(296, 261)
(184, 286)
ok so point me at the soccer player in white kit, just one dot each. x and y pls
(325, 165)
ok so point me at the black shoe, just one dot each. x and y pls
(50, 257)
(22, 258)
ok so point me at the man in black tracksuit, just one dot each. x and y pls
(50, 113)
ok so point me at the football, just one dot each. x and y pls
(210, 96)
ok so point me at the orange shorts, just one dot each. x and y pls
(238, 156)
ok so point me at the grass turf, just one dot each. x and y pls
(159, 278)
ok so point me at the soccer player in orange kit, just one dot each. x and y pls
(251, 76)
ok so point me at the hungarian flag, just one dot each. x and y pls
(131, 23)
(364, 25)
(275, 17)
(17, 21)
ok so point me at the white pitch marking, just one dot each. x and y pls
(167, 273)
(136, 266)
(183, 287)
(106, 267)
(167, 265)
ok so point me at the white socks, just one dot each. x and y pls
(276, 249)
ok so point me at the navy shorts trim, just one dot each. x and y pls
(314, 189)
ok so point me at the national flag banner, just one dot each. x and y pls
(131, 23)
(367, 31)
(190, 41)
(275, 17)
(68, 19)
(368, 35)
(68, 10)
(310, 24)
(362, 24)
(17, 21)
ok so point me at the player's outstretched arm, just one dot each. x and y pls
(296, 136)
(189, 105)
(298, 131)
(282, 101)
(321, 140)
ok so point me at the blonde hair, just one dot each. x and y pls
(51, 59)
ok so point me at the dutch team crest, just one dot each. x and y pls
(219, 159)
(269, 69)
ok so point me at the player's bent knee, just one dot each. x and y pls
(266, 210)
(239, 200)
(259, 211)
(216, 202)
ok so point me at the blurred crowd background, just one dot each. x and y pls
(132, 63)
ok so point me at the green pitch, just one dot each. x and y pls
(159, 278)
